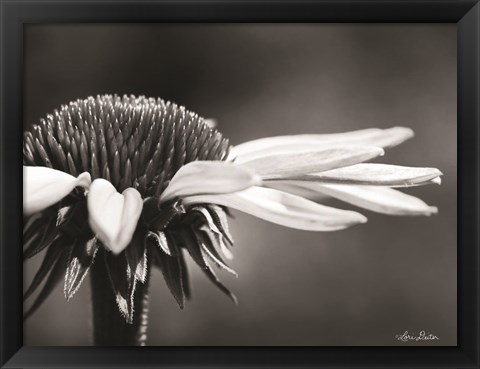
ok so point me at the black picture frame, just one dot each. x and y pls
(16, 13)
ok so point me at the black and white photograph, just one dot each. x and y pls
(241, 184)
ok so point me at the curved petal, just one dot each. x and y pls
(112, 216)
(44, 187)
(307, 190)
(376, 175)
(208, 177)
(283, 208)
(379, 199)
(297, 143)
(383, 200)
(288, 165)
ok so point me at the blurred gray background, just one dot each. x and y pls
(361, 286)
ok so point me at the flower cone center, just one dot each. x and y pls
(129, 141)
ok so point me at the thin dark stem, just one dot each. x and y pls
(109, 326)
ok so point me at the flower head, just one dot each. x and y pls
(129, 181)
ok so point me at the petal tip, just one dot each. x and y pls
(403, 133)
(381, 151)
(398, 135)
(407, 132)
(361, 219)
(437, 181)
(353, 219)
(84, 180)
(116, 249)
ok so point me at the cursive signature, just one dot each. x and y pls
(421, 336)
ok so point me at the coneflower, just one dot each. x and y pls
(115, 185)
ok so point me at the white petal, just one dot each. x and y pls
(288, 165)
(380, 199)
(44, 187)
(307, 190)
(283, 208)
(288, 144)
(112, 216)
(376, 175)
(208, 177)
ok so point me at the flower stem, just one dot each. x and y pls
(109, 326)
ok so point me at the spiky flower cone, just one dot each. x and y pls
(131, 142)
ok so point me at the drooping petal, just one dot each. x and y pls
(305, 189)
(283, 208)
(376, 175)
(379, 199)
(383, 200)
(113, 216)
(208, 177)
(288, 165)
(297, 143)
(44, 187)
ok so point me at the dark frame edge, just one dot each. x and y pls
(13, 16)
(468, 44)
(11, 281)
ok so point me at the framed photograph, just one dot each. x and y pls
(225, 184)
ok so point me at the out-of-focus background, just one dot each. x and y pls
(361, 286)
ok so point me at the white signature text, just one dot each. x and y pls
(421, 336)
